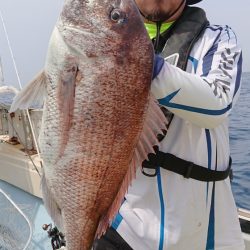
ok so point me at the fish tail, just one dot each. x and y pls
(79, 229)
(50, 204)
(32, 94)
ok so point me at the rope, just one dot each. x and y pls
(20, 85)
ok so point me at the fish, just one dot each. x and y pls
(100, 120)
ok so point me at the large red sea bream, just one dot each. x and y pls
(99, 118)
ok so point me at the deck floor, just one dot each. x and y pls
(34, 209)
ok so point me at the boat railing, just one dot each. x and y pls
(15, 127)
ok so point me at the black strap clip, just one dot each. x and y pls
(148, 174)
(151, 164)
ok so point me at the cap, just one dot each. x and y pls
(191, 2)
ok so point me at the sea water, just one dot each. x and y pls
(240, 144)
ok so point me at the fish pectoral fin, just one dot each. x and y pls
(32, 94)
(66, 99)
(155, 123)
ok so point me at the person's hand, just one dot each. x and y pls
(158, 64)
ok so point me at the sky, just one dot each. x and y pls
(29, 24)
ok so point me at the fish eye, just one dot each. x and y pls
(116, 15)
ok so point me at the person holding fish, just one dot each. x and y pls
(182, 198)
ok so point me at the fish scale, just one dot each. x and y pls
(98, 113)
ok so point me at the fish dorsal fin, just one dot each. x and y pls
(32, 94)
(155, 123)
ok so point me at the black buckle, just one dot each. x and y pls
(149, 175)
(189, 170)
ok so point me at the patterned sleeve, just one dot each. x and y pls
(206, 97)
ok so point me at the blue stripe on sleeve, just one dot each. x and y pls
(209, 154)
(208, 59)
(215, 28)
(238, 76)
(166, 102)
(194, 62)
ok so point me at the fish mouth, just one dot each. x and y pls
(86, 30)
(77, 29)
(74, 29)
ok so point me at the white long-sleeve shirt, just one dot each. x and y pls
(168, 211)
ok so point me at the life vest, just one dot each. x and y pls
(177, 42)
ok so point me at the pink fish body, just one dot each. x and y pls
(99, 119)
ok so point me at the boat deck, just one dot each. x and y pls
(35, 211)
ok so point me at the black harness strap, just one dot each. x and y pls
(185, 168)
